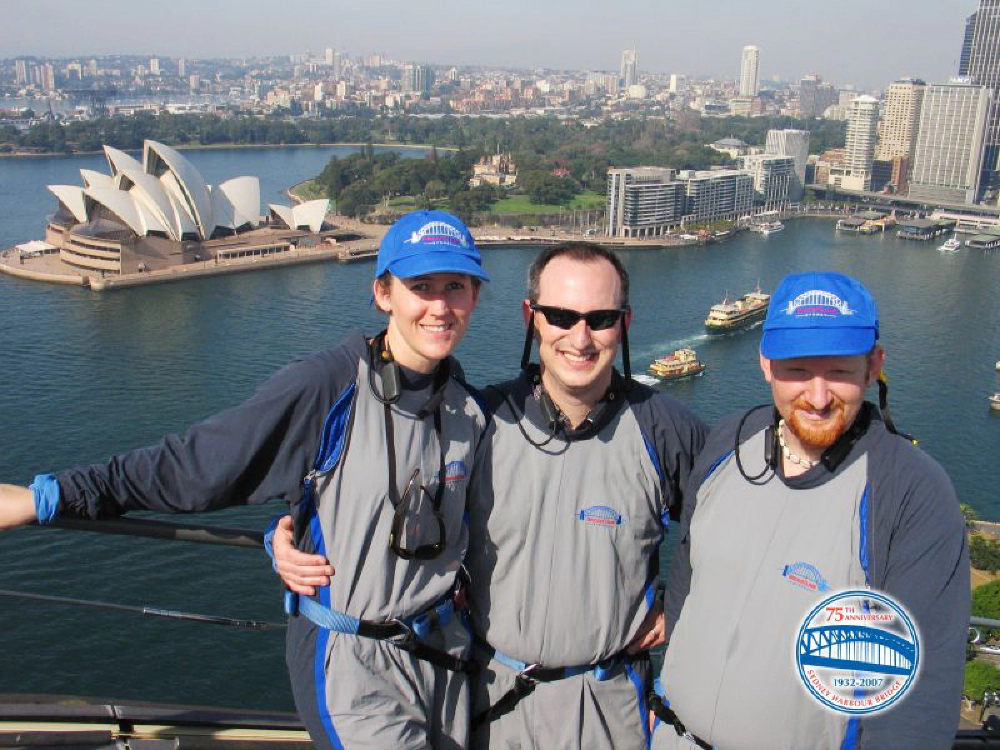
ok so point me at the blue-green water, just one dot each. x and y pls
(86, 375)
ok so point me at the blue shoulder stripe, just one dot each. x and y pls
(335, 431)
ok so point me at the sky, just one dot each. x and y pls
(865, 42)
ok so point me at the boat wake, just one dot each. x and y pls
(645, 379)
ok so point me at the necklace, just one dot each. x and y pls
(808, 463)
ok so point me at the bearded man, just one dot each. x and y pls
(789, 504)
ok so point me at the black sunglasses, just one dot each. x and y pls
(597, 320)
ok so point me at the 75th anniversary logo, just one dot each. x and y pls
(858, 652)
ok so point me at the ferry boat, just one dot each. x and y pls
(682, 363)
(951, 246)
(767, 227)
(995, 401)
(730, 316)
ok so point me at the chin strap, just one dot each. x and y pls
(883, 406)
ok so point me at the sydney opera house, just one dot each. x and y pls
(161, 213)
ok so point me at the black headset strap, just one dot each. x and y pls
(390, 445)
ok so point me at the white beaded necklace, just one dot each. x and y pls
(808, 463)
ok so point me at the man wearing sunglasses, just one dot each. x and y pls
(572, 488)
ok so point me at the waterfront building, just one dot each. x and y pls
(772, 178)
(629, 68)
(859, 146)
(963, 60)
(716, 195)
(750, 71)
(951, 142)
(793, 143)
(160, 213)
(900, 117)
(644, 201)
(898, 133)
(984, 70)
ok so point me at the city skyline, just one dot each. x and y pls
(591, 35)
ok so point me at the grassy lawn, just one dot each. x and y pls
(309, 191)
(520, 204)
(980, 577)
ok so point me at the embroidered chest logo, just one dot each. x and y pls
(455, 471)
(805, 575)
(601, 515)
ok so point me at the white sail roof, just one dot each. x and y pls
(71, 196)
(309, 214)
(150, 192)
(96, 179)
(159, 158)
(120, 161)
(244, 195)
(120, 204)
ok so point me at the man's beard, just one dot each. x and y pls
(818, 436)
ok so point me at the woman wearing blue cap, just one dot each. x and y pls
(370, 443)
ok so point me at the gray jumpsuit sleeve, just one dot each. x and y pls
(922, 560)
(254, 452)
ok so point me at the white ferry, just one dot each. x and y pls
(729, 316)
(951, 246)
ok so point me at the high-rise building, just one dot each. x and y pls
(21, 70)
(48, 77)
(181, 68)
(677, 83)
(330, 54)
(92, 67)
(630, 70)
(643, 201)
(154, 66)
(950, 142)
(859, 144)
(194, 82)
(417, 79)
(897, 132)
(963, 60)
(750, 71)
(815, 96)
(984, 70)
(793, 143)
(772, 178)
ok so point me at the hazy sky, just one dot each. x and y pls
(866, 42)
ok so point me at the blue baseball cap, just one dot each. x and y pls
(819, 314)
(425, 242)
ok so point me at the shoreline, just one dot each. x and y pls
(489, 236)
(225, 146)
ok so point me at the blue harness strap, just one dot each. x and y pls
(421, 625)
(604, 670)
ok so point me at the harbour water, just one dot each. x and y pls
(87, 375)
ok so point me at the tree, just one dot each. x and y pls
(984, 553)
(980, 676)
(969, 513)
(986, 600)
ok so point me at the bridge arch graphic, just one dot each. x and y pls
(856, 647)
(819, 298)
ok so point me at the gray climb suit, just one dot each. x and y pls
(314, 436)
(755, 558)
(564, 559)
